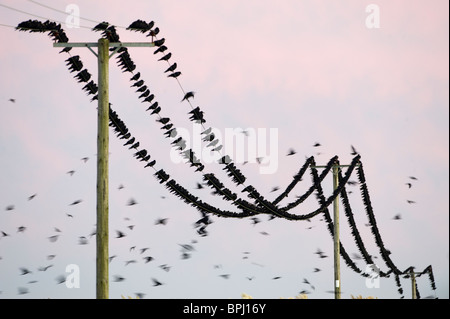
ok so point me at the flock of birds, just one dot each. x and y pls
(186, 249)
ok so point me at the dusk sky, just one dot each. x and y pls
(368, 74)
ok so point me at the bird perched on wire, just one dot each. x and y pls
(165, 57)
(174, 75)
(171, 68)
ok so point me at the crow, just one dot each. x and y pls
(165, 57)
(188, 95)
(354, 152)
(174, 75)
(291, 152)
(148, 259)
(138, 83)
(118, 278)
(136, 77)
(120, 234)
(159, 42)
(171, 68)
(131, 202)
(162, 48)
(161, 221)
(156, 282)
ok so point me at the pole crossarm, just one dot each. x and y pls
(95, 44)
(90, 45)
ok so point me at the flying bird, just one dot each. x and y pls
(76, 202)
(131, 202)
(410, 201)
(291, 152)
(317, 144)
(161, 221)
(354, 152)
(188, 95)
(12, 100)
(120, 234)
(397, 217)
(156, 282)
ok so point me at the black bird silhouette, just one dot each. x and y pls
(138, 83)
(161, 221)
(25, 271)
(171, 68)
(12, 100)
(410, 201)
(118, 278)
(60, 279)
(397, 217)
(120, 234)
(159, 43)
(317, 144)
(165, 57)
(136, 77)
(413, 178)
(188, 95)
(174, 75)
(291, 152)
(354, 152)
(156, 282)
(76, 202)
(131, 202)
(148, 259)
(162, 48)
(409, 185)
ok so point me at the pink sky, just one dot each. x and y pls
(312, 69)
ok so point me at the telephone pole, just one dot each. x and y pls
(336, 241)
(102, 232)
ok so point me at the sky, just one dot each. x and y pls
(368, 74)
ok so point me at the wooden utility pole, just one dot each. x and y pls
(337, 254)
(336, 240)
(413, 284)
(102, 170)
(103, 56)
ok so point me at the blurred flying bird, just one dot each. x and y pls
(156, 282)
(354, 152)
(131, 202)
(120, 234)
(188, 95)
(291, 152)
(12, 100)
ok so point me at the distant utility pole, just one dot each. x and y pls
(102, 233)
(336, 247)
(413, 284)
